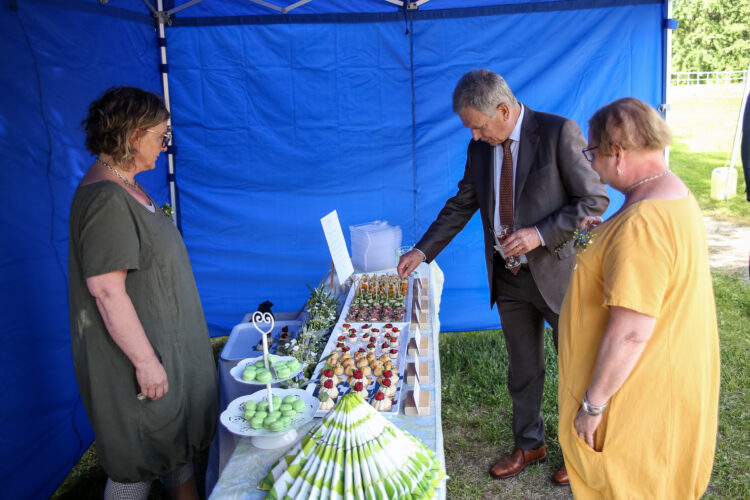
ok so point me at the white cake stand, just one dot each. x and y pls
(233, 417)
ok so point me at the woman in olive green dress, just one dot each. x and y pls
(141, 348)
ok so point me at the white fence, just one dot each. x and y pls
(706, 77)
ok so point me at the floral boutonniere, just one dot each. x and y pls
(167, 209)
(584, 235)
(582, 239)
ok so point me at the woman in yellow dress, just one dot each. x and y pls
(639, 351)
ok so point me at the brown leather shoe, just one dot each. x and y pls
(561, 477)
(512, 465)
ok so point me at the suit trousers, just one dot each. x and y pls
(523, 312)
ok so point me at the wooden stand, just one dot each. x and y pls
(424, 373)
(420, 319)
(410, 406)
(420, 350)
(333, 268)
(343, 285)
(419, 316)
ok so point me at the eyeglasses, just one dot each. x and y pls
(166, 138)
(587, 153)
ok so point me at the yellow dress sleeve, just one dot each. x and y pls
(638, 263)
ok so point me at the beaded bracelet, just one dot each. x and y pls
(590, 409)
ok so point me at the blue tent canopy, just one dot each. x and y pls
(278, 119)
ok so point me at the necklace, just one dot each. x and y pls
(133, 184)
(647, 179)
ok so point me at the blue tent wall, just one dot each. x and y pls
(568, 62)
(304, 120)
(54, 63)
(276, 124)
(308, 118)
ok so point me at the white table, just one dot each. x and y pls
(242, 465)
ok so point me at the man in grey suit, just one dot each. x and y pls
(549, 188)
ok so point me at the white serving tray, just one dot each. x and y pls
(400, 361)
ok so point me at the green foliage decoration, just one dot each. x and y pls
(308, 344)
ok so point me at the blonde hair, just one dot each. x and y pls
(631, 124)
(114, 117)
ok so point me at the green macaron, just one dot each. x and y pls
(248, 375)
(274, 415)
(275, 426)
(293, 365)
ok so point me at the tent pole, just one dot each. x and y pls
(667, 106)
(165, 88)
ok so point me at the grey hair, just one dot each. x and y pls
(483, 90)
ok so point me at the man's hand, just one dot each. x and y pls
(521, 242)
(409, 262)
(589, 222)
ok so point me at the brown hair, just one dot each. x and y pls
(630, 124)
(114, 117)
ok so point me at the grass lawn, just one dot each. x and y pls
(695, 170)
(477, 419)
(703, 121)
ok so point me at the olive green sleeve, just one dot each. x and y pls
(109, 240)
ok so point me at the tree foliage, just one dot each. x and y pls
(713, 35)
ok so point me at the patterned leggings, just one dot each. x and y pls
(139, 491)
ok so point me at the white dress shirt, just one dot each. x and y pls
(515, 136)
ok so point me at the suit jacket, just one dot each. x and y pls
(555, 187)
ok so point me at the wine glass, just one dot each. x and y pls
(501, 234)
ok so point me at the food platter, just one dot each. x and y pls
(377, 298)
(378, 342)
